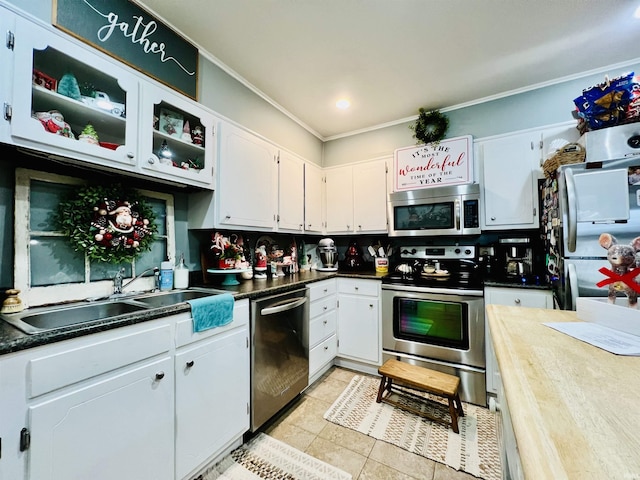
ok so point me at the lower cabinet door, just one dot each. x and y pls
(212, 397)
(120, 427)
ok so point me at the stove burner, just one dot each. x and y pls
(459, 263)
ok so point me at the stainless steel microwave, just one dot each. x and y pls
(449, 210)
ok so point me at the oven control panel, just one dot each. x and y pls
(451, 252)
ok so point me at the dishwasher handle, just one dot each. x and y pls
(283, 307)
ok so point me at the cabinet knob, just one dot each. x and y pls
(324, 308)
(190, 363)
(325, 290)
(359, 227)
(517, 301)
(326, 347)
(159, 375)
(309, 226)
(371, 305)
(151, 160)
(493, 218)
(301, 226)
(356, 288)
(130, 155)
(324, 321)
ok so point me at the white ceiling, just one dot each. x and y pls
(390, 57)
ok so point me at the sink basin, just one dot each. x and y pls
(158, 300)
(45, 319)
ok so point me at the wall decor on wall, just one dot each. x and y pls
(430, 127)
(108, 224)
(125, 31)
(447, 162)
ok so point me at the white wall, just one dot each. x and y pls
(546, 105)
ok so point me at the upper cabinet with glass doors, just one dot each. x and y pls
(181, 143)
(72, 101)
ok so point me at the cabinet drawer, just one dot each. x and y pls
(322, 354)
(79, 363)
(359, 287)
(184, 327)
(321, 289)
(322, 326)
(322, 306)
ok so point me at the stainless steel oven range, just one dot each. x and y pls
(433, 315)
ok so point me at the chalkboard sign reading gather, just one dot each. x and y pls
(114, 26)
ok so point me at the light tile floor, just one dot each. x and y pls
(302, 426)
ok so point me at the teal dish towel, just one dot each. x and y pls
(211, 312)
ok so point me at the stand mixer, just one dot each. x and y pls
(328, 254)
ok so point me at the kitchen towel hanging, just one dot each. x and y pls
(211, 312)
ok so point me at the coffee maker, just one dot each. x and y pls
(517, 256)
(328, 254)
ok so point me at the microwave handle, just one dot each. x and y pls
(456, 207)
(572, 210)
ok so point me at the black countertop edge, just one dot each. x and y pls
(14, 340)
(526, 286)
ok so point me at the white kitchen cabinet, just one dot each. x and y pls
(339, 199)
(356, 198)
(127, 111)
(359, 337)
(42, 58)
(290, 193)
(515, 297)
(322, 337)
(247, 194)
(174, 119)
(117, 427)
(91, 405)
(509, 452)
(7, 26)
(212, 389)
(313, 198)
(509, 168)
(127, 402)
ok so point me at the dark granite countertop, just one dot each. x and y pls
(14, 340)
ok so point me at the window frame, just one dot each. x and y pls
(35, 296)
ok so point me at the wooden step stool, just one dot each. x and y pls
(425, 380)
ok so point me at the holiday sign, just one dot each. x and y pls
(447, 162)
(123, 30)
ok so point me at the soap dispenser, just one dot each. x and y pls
(166, 275)
(181, 274)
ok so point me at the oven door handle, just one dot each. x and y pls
(284, 307)
(456, 206)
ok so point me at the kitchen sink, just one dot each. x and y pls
(157, 300)
(44, 319)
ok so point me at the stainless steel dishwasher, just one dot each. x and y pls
(279, 356)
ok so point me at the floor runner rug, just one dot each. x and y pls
(474, 450)
(264, 457)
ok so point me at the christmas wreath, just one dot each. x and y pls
(108, 224)
(430, 126)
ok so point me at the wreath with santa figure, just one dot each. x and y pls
(108, 224)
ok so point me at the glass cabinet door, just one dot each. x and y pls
(177, 138)
(70, 101)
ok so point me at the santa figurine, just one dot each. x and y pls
(53, 122)
(122, 220)
(198, 135)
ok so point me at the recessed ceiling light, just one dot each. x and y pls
(343, 104)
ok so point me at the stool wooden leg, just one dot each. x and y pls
(453, 411)
(381, 389)
(459, 404)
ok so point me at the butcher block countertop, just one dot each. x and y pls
(575, 408)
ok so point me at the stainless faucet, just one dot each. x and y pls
(117, 280)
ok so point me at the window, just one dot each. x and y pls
(47, 269)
